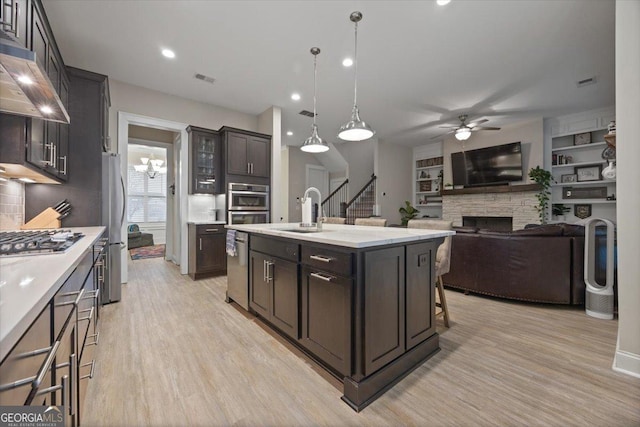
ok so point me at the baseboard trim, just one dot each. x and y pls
(627, 363)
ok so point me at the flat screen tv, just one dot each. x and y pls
(496, 165)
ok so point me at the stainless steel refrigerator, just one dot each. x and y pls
(112, 217)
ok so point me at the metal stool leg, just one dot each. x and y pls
(443, 302)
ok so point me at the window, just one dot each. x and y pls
(147, 197)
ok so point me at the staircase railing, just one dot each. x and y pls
(331, 205)
(361, 205)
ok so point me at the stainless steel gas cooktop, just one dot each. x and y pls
(36, 242)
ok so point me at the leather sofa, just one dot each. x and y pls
(541, 264)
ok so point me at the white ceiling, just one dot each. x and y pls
(420, 65)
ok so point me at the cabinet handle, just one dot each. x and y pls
(211, 230)
(90, 374)
(64, 168)
(269, 275)
(324, 277)
(89, 317)
(95, 337)
(54, 163)
(264, 270)
(248, 168)
(200, 243)
(16, 29)
(73, 388)
(78, 298)
(47, 365)
(321, 258)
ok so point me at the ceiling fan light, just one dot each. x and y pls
(463, 133)
(314, 144)
(355, 129)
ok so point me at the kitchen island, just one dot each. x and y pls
(358, 300)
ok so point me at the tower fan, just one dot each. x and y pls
(598, 298)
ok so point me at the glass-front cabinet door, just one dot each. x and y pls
(205, 173)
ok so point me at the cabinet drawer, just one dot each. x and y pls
(24, 361)
(65, 299)
(277, 248)
(210, 229)
(328, 260)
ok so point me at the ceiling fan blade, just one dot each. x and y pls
(450, 127)
(477, 122)
(440, 136)
(484, 128)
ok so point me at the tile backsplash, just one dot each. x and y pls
(11, 205)
(202, 207)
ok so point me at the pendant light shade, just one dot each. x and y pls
(314, 144)
(355, 129)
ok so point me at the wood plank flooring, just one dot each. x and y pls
(173, 353)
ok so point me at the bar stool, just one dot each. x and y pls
(443, 260)
(376, 222)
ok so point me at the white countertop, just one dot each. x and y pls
(27, 284)
(352, 236)
(204, 222)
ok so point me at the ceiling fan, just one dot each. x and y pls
(463, 131)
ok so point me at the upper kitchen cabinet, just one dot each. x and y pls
(248, 155)
(204, 165)
(14, 21)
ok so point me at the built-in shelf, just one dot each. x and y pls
(580, 147)
(434, 204)
(575, 184)
(429, 193)
(428, 179)
(601, 162)
(429, 167)
(493, 189)
(582, 201)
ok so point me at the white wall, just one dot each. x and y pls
(530, 134)
(298, 160)
(360, 160)
(270, 122)
(393, 186)
(138, 100)
(628, 158)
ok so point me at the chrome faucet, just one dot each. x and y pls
(318, 224)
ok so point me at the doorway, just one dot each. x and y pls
(175, 243)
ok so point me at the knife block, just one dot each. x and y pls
(48, 218)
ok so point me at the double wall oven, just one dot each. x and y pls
(248, 203)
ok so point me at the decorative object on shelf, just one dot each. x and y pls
(610, 171)
(448, 186)
(584, 193)
(582, 138)
(544, 178)
(611, 127)
(582, 211)
(611, 197)
(425, 186)
(422, 175)
(408, 212)
(559, 211)
(568, 178)
(314, 144)
(151, 166)
(588, 173)
(355, 129)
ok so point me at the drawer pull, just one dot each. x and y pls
(211, 230)
(89, 317)
(269, 264)
(33, 353)
(47, 365)
(76, 302)
(90, 374)
(321, 258)
(95, 337)
(15, 384)
(324, 277)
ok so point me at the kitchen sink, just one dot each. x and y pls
(302, 230)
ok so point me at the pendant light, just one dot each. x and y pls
(355, 129)
(314, 144)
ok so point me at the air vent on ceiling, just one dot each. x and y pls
(205, 78)
(307, 113)
(586, 82)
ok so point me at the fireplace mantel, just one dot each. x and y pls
(493, 189)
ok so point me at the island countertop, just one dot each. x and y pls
(351, 236)
(27, 284)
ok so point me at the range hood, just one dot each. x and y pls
(25, 89)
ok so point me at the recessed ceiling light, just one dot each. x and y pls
(295, 96)
(347, 62)
(46, 109)
(25, 80)
(289, 133)
(168, 53)
(442, 2)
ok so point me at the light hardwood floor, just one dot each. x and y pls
(173, 353)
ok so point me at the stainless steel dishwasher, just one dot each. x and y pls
(238, 272)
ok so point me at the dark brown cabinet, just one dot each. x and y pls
(273, 284)
(207, 253)
(420, 295)
(248, 154)
(204, 164)
(14, 18)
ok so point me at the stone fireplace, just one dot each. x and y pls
(517, 202)
(493, 223)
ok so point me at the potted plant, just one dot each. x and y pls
(543, 178)
(559, 211)
(408, 212)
